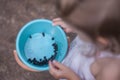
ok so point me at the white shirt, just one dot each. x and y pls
(79, 62)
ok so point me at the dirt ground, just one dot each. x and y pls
(13, 15)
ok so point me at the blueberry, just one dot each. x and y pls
(29, 60)
(43, 34)
(53, 44)
(40, 64)
(52, 38)
(30, 36)
(46, 61)
(43, 62)
(40, 60)
(55, 53)
(54, 50)
(49, 59)
(52, 58)
(45, 57)
(34, 61)
(56, 47)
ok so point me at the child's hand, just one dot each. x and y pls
(59, 71)
(65, 26)
(22, 64)
(58, 21)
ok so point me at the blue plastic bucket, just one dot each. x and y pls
(40, 46)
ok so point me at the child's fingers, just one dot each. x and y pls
(52, 69)
(57, 19)
(58, 65)
(62, 24)
(56, 23)
(20, 63)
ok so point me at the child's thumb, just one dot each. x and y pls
(20, 63)
(58, 65)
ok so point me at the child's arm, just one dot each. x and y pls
(59, 71)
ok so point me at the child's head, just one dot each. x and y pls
(97, 18)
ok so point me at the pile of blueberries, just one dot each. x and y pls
(45, 60)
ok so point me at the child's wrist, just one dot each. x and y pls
(74, 77)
